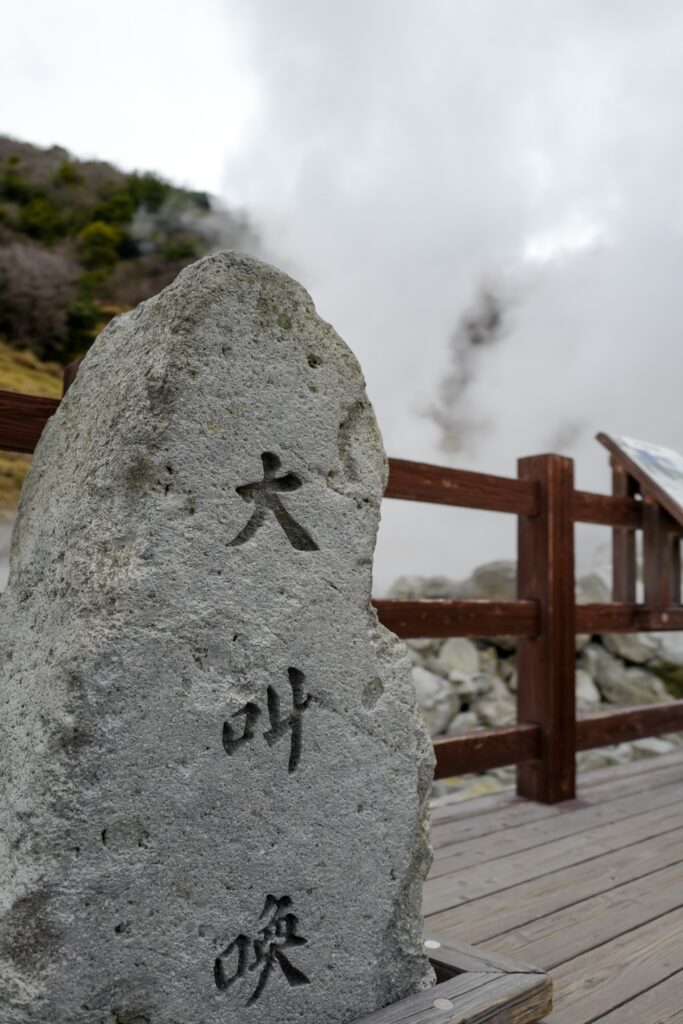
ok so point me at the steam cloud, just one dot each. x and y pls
(403, 152)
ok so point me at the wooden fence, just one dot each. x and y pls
(544, 618)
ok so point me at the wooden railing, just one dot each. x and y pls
(544, 618)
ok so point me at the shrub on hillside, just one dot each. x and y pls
(98, 245)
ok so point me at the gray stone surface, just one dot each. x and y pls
(208, 745)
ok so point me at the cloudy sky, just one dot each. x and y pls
(399, 157)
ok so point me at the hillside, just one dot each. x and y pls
(81, 241)
(22, 370)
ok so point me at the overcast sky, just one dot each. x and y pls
(397, 156)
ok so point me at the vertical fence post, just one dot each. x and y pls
(69, 374)
(623, 542)
(661, 557)
(546, 663)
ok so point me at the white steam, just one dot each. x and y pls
(402, 153)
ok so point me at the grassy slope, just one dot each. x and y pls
(22, 371)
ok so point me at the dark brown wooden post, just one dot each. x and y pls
(623, 542)
(69, 374)
(661, 557)
(545, 663)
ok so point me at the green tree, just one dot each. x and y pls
(118, 208)
(98, 245)
(68, 174)
(147, 190)
(40, 218)
(13, 185)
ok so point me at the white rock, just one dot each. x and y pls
(488, 661)
(639, 648)
(458, 654)
(632, 686)
(466, 721)
(465, 686)
(436, 698)
(495, 581)
(593, 588)
(652, 746)
(618, 683)
(497, 707)
(587, 692)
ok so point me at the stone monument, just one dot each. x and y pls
(213, 773)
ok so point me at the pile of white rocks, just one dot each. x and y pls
(463, 685)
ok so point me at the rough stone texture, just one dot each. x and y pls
(156, 800)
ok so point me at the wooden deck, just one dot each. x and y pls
(590, 890)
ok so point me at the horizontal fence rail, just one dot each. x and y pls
(459, 618)
(419, 481)
(544, 620)
(22, 419)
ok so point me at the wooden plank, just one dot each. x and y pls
(662, 588)
(486, 748)
(513, 840)
(569, 932)
(628, 777)
(663, 1003)
(458, 618)
(623, 542)
(420, 1008)
(421, 481)
(473, 999)
(481, 920)
(626, 618)
(615, 773)
(629, 724)
(592, 984)
(607, 510)
(452, 831)
(450, 955)
(546, 663)
(474, 880)
(443, 808)
(22, 419)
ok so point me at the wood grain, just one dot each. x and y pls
(449, 831)
(461, 957)
(546, 662)
(597, 898)
(527, 835)
(22, 419)
(607, 509)
(626, 618)
(458, 618)
(486, 748)
(592, 984)
(481, 920)
(473, 999)
(629, 724)
(420, 481)
(624, 541)
(472, 880)
(569, 932)
(662, 1003)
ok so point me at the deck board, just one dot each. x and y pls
(591, 890)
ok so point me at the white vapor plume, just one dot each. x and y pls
(404, 151)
